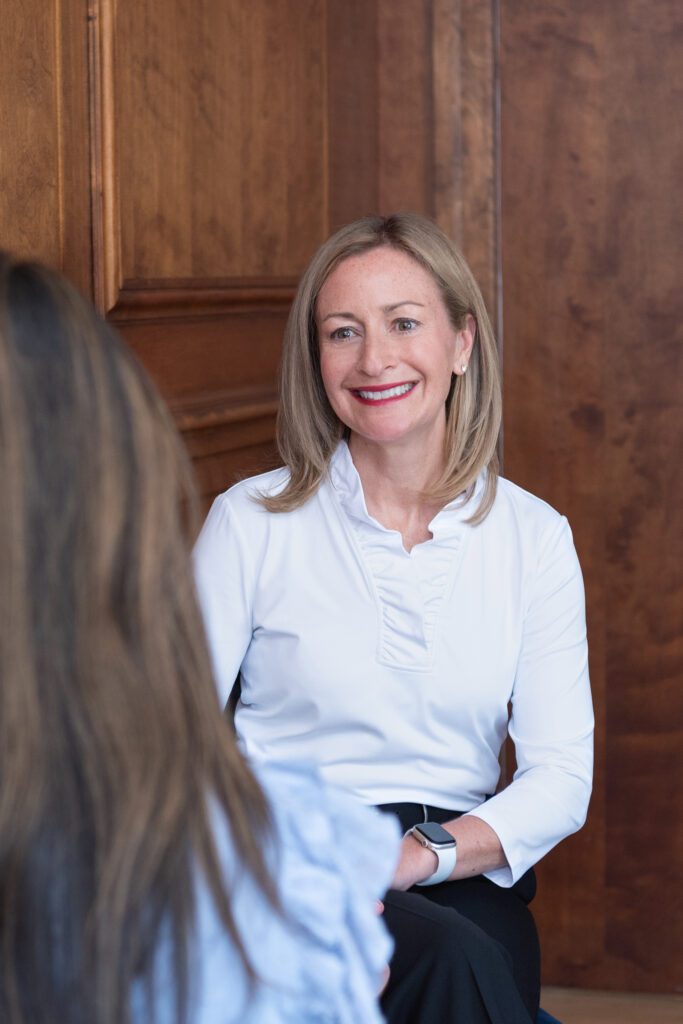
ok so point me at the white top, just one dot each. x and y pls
(318, 962)
(393, 670)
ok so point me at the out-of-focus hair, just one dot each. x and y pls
(308, 428)
(113, 752)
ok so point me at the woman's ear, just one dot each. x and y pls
(464, 343)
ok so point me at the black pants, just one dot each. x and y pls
(466, 952)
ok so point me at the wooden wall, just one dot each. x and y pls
(591, 171)
(180, 162)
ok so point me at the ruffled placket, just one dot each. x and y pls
(411, 588)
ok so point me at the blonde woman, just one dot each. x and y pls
(386, 597)
(146, 874)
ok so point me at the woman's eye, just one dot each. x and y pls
(404, 326)
(342, 333)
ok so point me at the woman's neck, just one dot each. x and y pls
(394, 480)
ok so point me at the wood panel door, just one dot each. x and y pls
(592, 161)
(229, 139)
(181, 162)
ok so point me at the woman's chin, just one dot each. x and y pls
(391, 436)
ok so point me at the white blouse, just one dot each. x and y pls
(393, 671)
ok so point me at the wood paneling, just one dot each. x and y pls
(591, 158)
(229, 139)
(210, 149)
(352, 110)
(219, 105)
(466, 164)
(29, 153)
(44, 195)
(411, 118)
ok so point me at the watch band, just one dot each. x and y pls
(446, 853)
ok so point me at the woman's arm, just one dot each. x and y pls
(552, 716)
(551, 727)
(478, 850)
(224, 580)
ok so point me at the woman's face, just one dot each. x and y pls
(388, 348)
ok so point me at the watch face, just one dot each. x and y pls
(435, 833)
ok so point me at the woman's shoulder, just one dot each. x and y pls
(528, 510)
(242, 506)
(540, 533)
(246, 492)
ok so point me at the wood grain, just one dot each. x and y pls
(352, 69)
(593, 417)
(478, 162)
(44, 194)
(578, 1006)
(29, 155)
(404, 100)
(219, 112)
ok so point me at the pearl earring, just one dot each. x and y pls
(463, 368)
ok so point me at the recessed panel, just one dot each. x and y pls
(29, 147)
(219, 137)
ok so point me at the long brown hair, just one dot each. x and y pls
(308, 428)
(112, 743)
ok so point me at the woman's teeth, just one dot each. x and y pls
(377, 396)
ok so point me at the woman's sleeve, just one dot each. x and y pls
(321, 956)
(224, 578)
(336, 859)
(552, 716)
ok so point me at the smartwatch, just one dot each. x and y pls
(434, 837)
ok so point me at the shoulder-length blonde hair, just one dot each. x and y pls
(112, 743)
(308, 429)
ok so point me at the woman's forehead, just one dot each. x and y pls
(379, 278)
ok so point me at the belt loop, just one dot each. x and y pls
(424, 811)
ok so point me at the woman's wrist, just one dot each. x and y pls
(415, 864)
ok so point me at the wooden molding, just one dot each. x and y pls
(217, 409)
(178, 300)
(107, 277)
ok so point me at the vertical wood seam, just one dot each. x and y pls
(107, 278)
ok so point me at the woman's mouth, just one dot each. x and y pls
(383, 393)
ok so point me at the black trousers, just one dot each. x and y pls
(466, 952)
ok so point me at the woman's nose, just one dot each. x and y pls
(377, 354)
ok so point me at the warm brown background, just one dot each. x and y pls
(180, 162)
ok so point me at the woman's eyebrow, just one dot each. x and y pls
(385, 309)
(397, 305)
(341, 316)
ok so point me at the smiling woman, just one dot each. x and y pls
(387, 366)
(401, 252)
(389, 596)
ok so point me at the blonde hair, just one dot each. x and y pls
(113, 751)
(308, 430)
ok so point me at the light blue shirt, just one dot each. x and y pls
(321, 960)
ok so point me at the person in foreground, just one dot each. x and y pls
(146, 874)
(386, 597)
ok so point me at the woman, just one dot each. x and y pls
(145, 873)
(386, 596)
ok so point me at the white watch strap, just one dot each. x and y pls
(447, 859)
